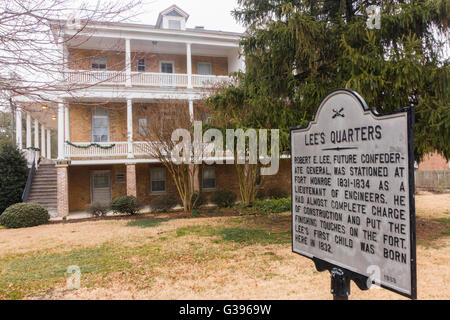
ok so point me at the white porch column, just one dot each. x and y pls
(43, 145)
(28, 132)
(60, 131)
(128, 62)
(189, 64)
(19, 128)
(191, 110)
(130, 127)
(49, 144)
(36, 138)
(36, 133)
(66, 123)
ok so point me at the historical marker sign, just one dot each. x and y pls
(352, 191)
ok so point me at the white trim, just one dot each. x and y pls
(61, 131)
(137, 63)
(92, 123)
(130, 128)
(163, 35)
(164, 61)
(28, 131)
(49, 144)
(19, 128)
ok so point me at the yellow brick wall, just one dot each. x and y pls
(79, 59)
(157, 114)
(226, 179)
(81, 122)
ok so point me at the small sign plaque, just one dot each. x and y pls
(352, 191)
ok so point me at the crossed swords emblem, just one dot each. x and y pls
(338, 113)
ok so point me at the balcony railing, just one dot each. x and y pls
(85, 150)
(116, 149)
(148, 79)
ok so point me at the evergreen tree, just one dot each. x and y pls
(297, 51)
(13, 176)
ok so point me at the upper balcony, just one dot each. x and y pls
(151, 57)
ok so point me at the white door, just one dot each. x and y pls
(101, 186)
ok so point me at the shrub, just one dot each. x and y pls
(260, 194)
(272, 205)
(98, 209)
(164, 203)
(127, 204)
(24, 215)
(224, 198)
(276, 193)
(13, 176)
(199, 199)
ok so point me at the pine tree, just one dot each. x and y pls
(13, 176)
(297, 51)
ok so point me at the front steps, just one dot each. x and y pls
(43, 188)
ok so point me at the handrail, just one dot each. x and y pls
(31, 174)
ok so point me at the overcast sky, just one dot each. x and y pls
(212, 14)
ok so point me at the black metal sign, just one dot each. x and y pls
(353, 207)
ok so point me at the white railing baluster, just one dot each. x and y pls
(150, 79)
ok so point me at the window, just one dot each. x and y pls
(98, 63)
(209, 178)
(120, 178)
(100, 125)
(140, 65)
(143, 128)
(158, 179)
(101, 187)
(174, 24)
(204, 68)
(166, 67)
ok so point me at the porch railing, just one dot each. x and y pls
(82, 77)
(90, 150)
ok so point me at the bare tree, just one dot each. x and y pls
(161, 145)
(32, 34)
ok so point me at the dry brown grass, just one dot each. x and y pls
(203, 267)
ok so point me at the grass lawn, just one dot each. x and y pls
(231, 257)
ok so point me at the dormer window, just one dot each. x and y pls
(175, 24)
(172, 18)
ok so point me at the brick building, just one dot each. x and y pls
(132, 77)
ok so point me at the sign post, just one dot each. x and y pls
(353, 208)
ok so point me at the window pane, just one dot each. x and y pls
(143, 129)
(166, 67)
(204, 68)
(100, 125)
(209, 178)
(158, 179)
(174, 24)
(141, 65)
(158, 186)
(98, 63)
(101, 181)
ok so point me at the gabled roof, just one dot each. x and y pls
(173, 10)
